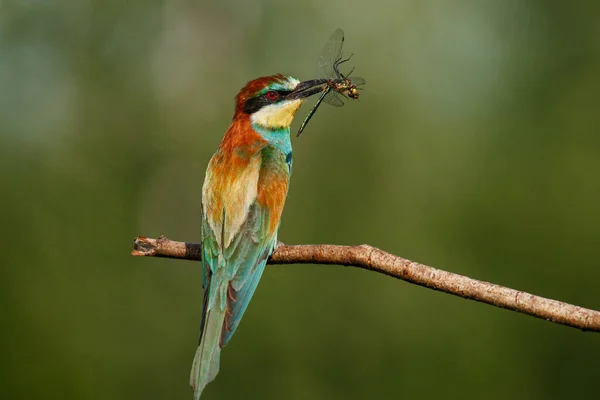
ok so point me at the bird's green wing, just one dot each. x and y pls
(230, 277)
(246, 258)
(241, 265)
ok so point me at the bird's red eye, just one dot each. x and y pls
(272, 95)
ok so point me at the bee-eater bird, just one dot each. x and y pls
(243, 195)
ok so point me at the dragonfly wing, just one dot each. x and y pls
(331, 53)
(357, 81)
(333, 98)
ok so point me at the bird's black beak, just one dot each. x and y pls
(307, 89)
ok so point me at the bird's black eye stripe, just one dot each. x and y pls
(284, 92)
(256, 103)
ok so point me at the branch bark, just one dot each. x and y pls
(374, 259)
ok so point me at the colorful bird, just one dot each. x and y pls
(243, 195)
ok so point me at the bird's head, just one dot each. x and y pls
(272, 101)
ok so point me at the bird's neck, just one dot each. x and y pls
(277, 137)
(246, 139)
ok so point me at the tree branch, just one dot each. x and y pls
(374, 259)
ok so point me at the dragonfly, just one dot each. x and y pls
(336, 85)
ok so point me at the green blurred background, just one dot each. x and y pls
(475, 148)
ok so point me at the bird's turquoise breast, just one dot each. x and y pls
(279, 139)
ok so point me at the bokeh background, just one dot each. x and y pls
(475, 148)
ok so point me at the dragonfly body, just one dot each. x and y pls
(348, 87)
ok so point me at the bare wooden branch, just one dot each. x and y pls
(374, 259)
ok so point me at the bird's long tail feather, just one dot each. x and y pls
(206, 361)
